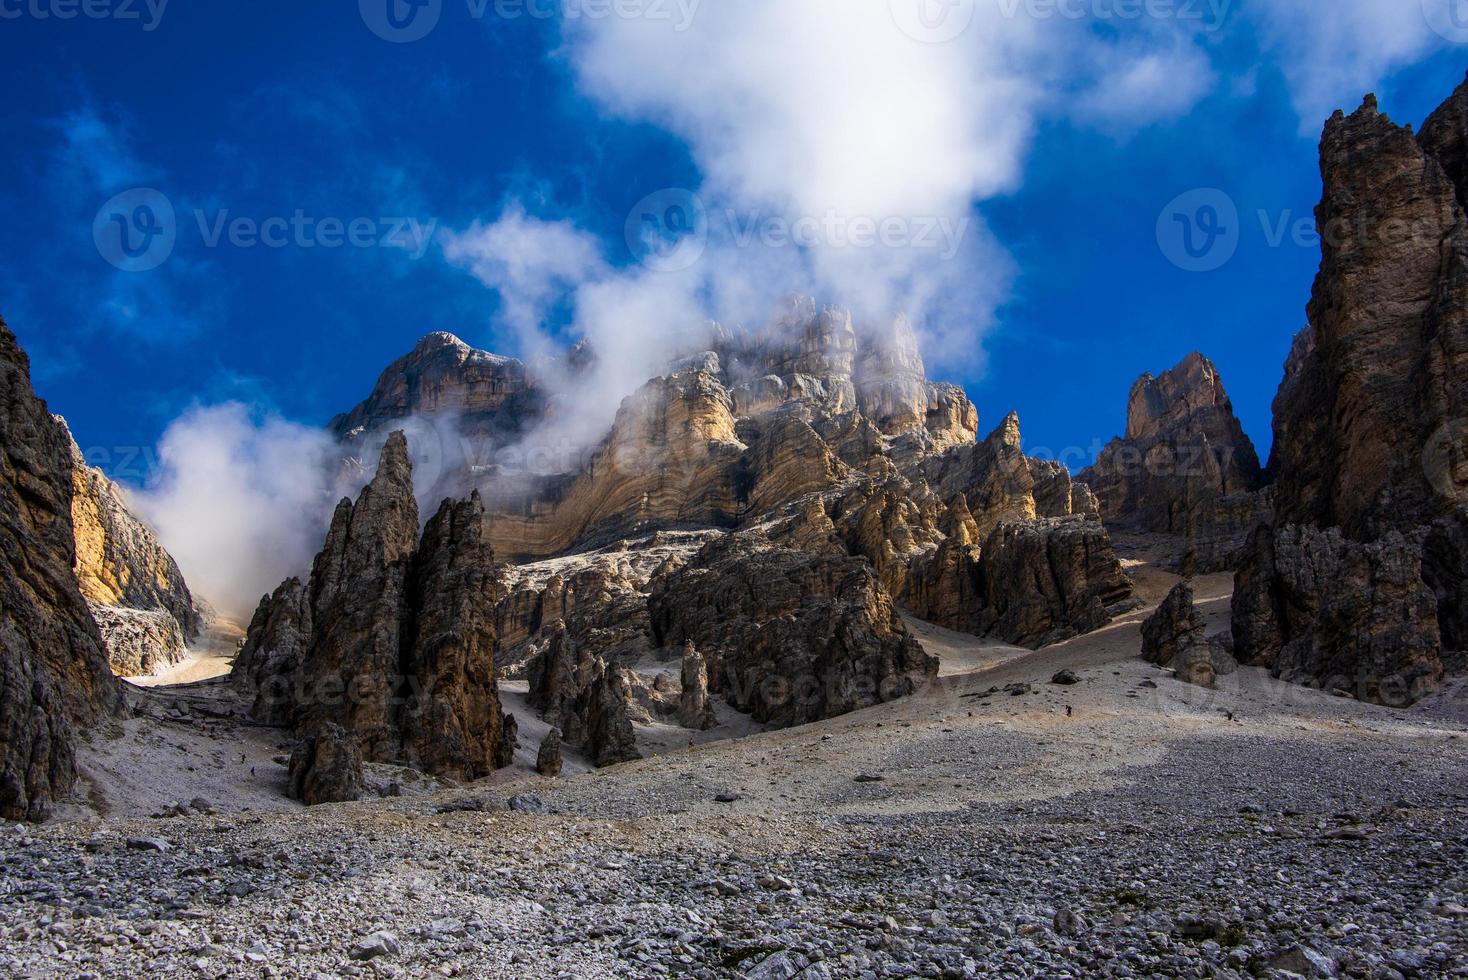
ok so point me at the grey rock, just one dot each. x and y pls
(376, 945)
(326, 768)
(548, 760)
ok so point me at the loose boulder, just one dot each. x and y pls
(326, 768)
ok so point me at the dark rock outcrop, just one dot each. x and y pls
(392, 639)
(1358, 584)
(583, 695)
(1380, 377)
(54, 675)
(359, 605)
(790, 637)
(1175, 626)
(1046, 581)
(695, 709)
(452, 724)
(1032, 583)
(1173, 637)
(275, 644)
(326, 768)
(1317, 608)
(1185, 466)
(548, 761)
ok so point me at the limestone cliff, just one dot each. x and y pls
(808, 469)
(54, 676)
(1359, 582)
(140, 599)
(1185, 466)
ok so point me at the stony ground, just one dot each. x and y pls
(1126, 825)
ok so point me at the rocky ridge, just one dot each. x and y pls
(392, 638)
(808, 452)
(1185, 467)
(1358, 583)
(54, 677)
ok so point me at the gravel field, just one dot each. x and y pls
(996, 824)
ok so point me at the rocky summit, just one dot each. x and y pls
(1184, 468)
(1358, 581)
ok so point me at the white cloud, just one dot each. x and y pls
(241, 501)
(818, 127)
(823, 104)
(1165, 81)
(824, 111)
(1331, 54)
(530, 263)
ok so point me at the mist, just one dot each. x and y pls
(241, 500)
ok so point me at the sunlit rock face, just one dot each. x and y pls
(1185, 467)
(138, 596)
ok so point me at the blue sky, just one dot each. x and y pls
(522, 143)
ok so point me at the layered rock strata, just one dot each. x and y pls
(1359, 582)
(1185, 467)
(140, 600)
(54, 675)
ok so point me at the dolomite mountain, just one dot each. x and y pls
(391, 641)
(1352, 547)
(1184, 468)
(1360, 582)
(54, 676)
(137, 594)
(755, 520)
